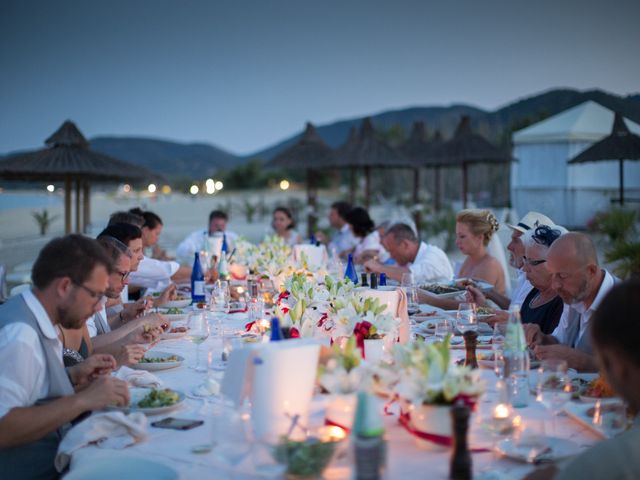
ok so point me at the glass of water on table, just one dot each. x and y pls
(198, 332)
(466, 318)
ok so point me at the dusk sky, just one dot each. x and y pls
(243, 75)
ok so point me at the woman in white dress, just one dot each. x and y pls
(284, 226)
(363, 228)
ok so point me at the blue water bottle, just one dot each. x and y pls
(350, 271)
(276, 333)
(225, 246)
(197, 281)
(383, 280)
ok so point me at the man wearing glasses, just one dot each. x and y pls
(38, 396)
(578, 279)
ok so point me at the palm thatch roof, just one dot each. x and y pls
(620, 144)
(309, 152)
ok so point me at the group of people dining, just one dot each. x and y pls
(79, 321)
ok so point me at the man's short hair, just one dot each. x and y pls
(114, 248)
(126, 217)
(342, 208)
(218, 214)
(615, 323)
(74, 256)
(402, 231)
(124, 232)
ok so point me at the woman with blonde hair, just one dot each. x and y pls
(474, 229)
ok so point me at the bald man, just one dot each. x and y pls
(578, 279)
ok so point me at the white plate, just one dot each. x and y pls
(560, 448)
(444, 295)
(124, 467)
(481, 284)
(152, 367)
(137, 394)
(176, 303)
(578, 412)
(172, 336)
(482, 342)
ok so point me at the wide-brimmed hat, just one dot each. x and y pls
(531, 220)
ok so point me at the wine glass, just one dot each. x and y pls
(198, 332)
(466, 317)
(443, 328)
(554, 386)
(610, 417)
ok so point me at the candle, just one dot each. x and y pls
(502, 421)
(501, 411)
(333, 433)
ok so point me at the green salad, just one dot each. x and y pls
(172, 358)
(173, 311)
(159, 398)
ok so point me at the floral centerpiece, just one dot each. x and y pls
(428, 384)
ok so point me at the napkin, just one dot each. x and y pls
(316, 255)
(138, 378)
(396, 301)
(115, 430)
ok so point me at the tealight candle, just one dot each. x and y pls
(333, 433)
(502, 421)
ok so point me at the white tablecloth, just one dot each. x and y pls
(405, 458)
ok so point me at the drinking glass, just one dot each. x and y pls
(610, 417)
(408, 285)
(230, 341)
(466, 317)
(443, 328)
(497, 343)
(554, 386)
(231, 433)
(198, 332)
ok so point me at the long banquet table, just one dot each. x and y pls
(405, 458)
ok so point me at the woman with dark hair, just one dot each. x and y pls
(363, 228)
(284, 226)
(151, 230)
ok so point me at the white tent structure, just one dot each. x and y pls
(541, 179)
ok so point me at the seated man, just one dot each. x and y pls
(193, 243)
(38, 397)
(615, 339)
(427, 263)
(576, 276)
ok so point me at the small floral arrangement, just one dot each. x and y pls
(343, 373)
(426, 375)
(273, 257)
(368, 312)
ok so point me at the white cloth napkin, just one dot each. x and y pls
(115, 430)
(138, 378)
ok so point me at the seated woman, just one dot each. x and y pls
(542, 306)
(284, 226)
(369, 245)
(474, 229)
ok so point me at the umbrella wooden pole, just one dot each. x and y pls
(78, 228)
(352, 187)
(367, 186)
(86, 207)
(621, 169)
(416, 198)
(465, 185)
(437, 190)
(311, 203)
(67, 206)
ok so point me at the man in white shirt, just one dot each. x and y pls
(578, 279)
(193, 243)
(37, 395)
(427, 263)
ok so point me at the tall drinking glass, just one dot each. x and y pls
(407, 283)
(198, 332)
(466, 317)
(554, 386)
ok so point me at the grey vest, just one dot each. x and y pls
(35, 460)
(102, 325)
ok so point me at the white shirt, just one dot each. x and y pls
(561, 331)
(522, 289)
(23, 379)
(431, 265)
(343, 240)
(153, 273)
(193, 243)
(91, 323)
(371, 242)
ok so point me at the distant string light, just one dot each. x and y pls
(194, 190)
(51, 188)
(151, 188)
(218, 185)
(284, 184)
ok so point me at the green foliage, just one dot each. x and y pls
(617, 224)
(627, 256)
(44, 220)
(249, 209)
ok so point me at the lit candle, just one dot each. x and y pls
(333, 433)
(502, 422)
(501, 411)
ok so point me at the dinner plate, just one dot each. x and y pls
(124, 467)
(534, 451)
(185, 302)
(481, 284)
(579, 412)
(484, 342)
(152, 367)
(171, 336)
(136, 394)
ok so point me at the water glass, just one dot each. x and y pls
(408, 285)
(611, 417)
(231, 433)
(466, 317)
(443, 327)
(230, 341)
(554, 386)
(497, 343)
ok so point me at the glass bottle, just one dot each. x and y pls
(197, 281)
(516, 360)
(350, 271)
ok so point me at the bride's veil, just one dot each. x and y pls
(496, 250)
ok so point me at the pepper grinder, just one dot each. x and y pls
(460, 466)
(470, 344)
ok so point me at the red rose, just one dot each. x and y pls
(294, 333)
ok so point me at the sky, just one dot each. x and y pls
(243, 75)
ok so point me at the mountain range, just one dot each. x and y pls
(198, 160)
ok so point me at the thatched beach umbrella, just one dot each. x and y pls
(69, 159)
(367, 152)
(466, 148)
(621, 145)
(312, 154)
